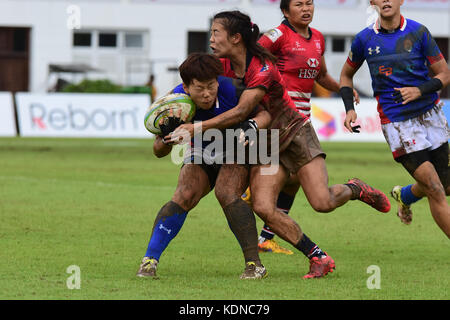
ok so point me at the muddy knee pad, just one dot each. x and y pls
(242, 223)
(439, 158)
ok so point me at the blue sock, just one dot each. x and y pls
(165, 229)
(284, 203)
(407, 196)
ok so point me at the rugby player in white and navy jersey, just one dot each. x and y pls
(400, 54)
(300, 51)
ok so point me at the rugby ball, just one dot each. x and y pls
(160, 109)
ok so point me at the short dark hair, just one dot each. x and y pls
(200, 66)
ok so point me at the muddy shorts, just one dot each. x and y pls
(303, 148)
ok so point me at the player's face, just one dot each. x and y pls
(300, 12)
(220, 43)
(388, 8)
(203, 93)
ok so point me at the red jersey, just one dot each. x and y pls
(265, 76)
(277, 102)
(298, 60)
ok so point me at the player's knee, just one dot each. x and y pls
(323, 208)
(187, 199)
(225, 196)
(434, 189)
(322, 205)
(262, 210)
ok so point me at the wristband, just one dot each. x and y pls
(347, 97)
(430, 86)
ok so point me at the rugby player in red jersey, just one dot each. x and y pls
(234, 38)
(300, 51)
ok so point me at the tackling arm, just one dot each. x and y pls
(249, 99)
(262, 119)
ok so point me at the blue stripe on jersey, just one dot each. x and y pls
(396, 60)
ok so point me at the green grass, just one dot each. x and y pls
(92, 202)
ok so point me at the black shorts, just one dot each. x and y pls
(438, 157)
(211, 170)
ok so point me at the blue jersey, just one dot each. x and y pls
(228, 95)
(397, 59)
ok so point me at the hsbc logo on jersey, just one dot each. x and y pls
(313, 62)
(308, 73)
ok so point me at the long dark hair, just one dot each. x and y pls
(237, 22)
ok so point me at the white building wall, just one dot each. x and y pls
(168, 25)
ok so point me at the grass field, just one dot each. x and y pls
(92, 203)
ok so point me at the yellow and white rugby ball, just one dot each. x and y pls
(160, 109)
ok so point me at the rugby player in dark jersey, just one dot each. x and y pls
(213, 94)
(400, 54)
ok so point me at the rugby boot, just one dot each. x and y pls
(247, 196)
(272, 246)
(404, 211)
(319, 267)
(373, 197)
(148, 268)
(252, 271)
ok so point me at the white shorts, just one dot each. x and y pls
(427, 131)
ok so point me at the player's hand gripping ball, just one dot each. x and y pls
(168, 112)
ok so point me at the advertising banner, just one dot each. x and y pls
(82, 115)
(7, 121)
(328, 115)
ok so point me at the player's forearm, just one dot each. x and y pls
(444, 77)
(345, 80)
(263, 119)
(224, 120)
(441, 71)
(249, 99)
(160, 149)
(328, 82)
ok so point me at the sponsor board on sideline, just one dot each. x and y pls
(328, 115)
(82, 115)
(7, 122)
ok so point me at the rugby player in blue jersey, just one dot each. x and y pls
(400, 53)
(213, 94)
